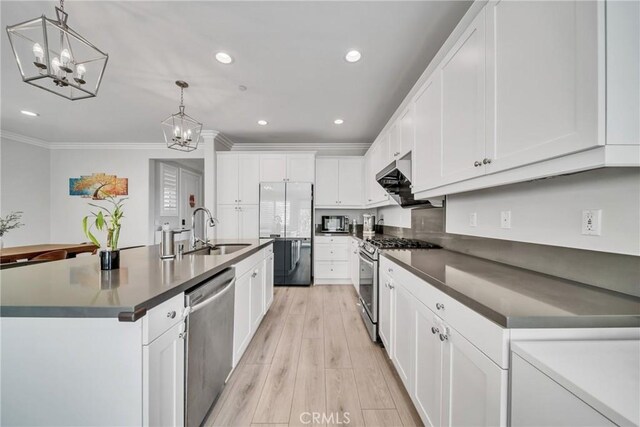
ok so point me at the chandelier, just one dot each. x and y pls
(53, 57)
(181, 132)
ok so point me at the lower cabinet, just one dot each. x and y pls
(268, 283)
(242, 317)
(354, 263)
(404, 333)
(237, 222)
(257, 295)
(163, 379)
(385, 310)
(331, 254)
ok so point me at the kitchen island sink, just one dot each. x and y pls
(220, 249)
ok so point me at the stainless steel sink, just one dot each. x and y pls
(221, 249)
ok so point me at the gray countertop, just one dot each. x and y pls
(77, 288)
(517, 298)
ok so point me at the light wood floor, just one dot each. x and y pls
(312, 354)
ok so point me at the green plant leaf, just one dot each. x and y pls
(87, 232)
(100, 221)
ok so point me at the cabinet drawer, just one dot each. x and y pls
(161, 318)
(332, 239)
(335, 252)
(488, 336)
(332, 269)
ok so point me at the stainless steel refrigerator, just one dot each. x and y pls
(286, 215)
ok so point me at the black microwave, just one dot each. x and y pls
(335, 224)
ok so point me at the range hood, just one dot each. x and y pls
(396, 180)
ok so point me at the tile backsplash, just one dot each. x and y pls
(615, 272)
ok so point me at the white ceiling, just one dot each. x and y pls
(290, 55)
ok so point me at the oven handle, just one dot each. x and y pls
(371, 263)
(211, 299)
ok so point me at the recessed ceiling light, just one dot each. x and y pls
(338, 121)
(353, 56)
(262, 122)
(29, 113)
(224, 58)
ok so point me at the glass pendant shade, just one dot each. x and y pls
(181, 131)
(53, 57)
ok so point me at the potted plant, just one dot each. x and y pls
(9, 222)
(109, 219)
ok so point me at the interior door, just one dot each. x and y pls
(191, 197)
(272, 209)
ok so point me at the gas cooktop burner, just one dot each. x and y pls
(400, 243)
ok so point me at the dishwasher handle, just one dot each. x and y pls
(211, 299)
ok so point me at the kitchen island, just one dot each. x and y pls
(81, 346)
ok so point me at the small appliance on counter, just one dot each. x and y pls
(354, 226)
(368, 225)
(335, 224)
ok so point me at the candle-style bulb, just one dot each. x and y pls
(55, 64)
(38, 52)
(80, 71)
(65, 57)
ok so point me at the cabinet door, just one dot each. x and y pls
(385, 312)
(395, 141)
(350, 184)
(227, 178)
(241, 316)
(474, 388)
(428, 368)
(249, 179)
(257, 295)
(327, 182)
(428, 135)
(163, 378)
(273, 167)
(542, 80)
(369, 177)
(268, 282)
(379, 159)
(355, 265)
(301, 168)
(228, 227)
(248, 222)
(404, 333)
(407, 130)
(463, 105)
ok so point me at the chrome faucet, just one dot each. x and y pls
(211, 222)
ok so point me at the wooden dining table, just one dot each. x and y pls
(16, 253)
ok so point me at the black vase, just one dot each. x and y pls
(109, 260)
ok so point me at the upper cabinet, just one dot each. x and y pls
(291, 167)
(428, 135)
(238, 178)
(339, 182)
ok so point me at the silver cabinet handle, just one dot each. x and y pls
(434, 330)
(236, 201)
(239, 200)
(477, 163)
(439, 306)
(171, 314)
(182, 335)
(396, 153)
(390, 270)
(391, 286)
(444, 337)
(486, 161)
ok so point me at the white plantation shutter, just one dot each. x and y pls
(169, 190)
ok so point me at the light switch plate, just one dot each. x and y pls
(473, 219)
(592, 222)
(505, 219)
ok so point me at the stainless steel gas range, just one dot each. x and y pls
(368, 289)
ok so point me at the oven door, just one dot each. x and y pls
(369, 286)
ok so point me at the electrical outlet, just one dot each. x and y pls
(591, 222)
(473, 219)
(505, 219)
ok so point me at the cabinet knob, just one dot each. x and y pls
(390, 270)
(182, 335)
(439, 306)
(477, 163)
(255, 273)
(391, 286)
(239, 200)
(171, 314)
(434, 330)
(486, 161)
(236, 201)
(443, 337)
(396, 154)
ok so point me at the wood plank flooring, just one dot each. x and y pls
(312, 363)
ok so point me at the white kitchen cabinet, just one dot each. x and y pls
(227, 227)
(376, 160)
(407, 131)
(248, 221)
(331, 260)
(238, 178)
(354, 263)
(385, 311)
(428, 367)
(474, 387)
(268, 282)
(248, 179)
(428, 135)
(395, 142)
(295, 167)
(463, 106)
(339, 182)
(241, 316)
(227, 182)
(238, 222)
(163, 379)
(257, 295)
(536, 111)
(404, 329)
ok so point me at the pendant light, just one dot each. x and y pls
(53, 57)
(181, 132)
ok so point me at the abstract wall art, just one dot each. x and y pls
(98, 186)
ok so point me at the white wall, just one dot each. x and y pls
(550, 211)
(24, 187)
(67, 211)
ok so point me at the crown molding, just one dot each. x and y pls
(16, 137)
(284, 146)
(224, 141)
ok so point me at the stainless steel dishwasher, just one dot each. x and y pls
(209, 346)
